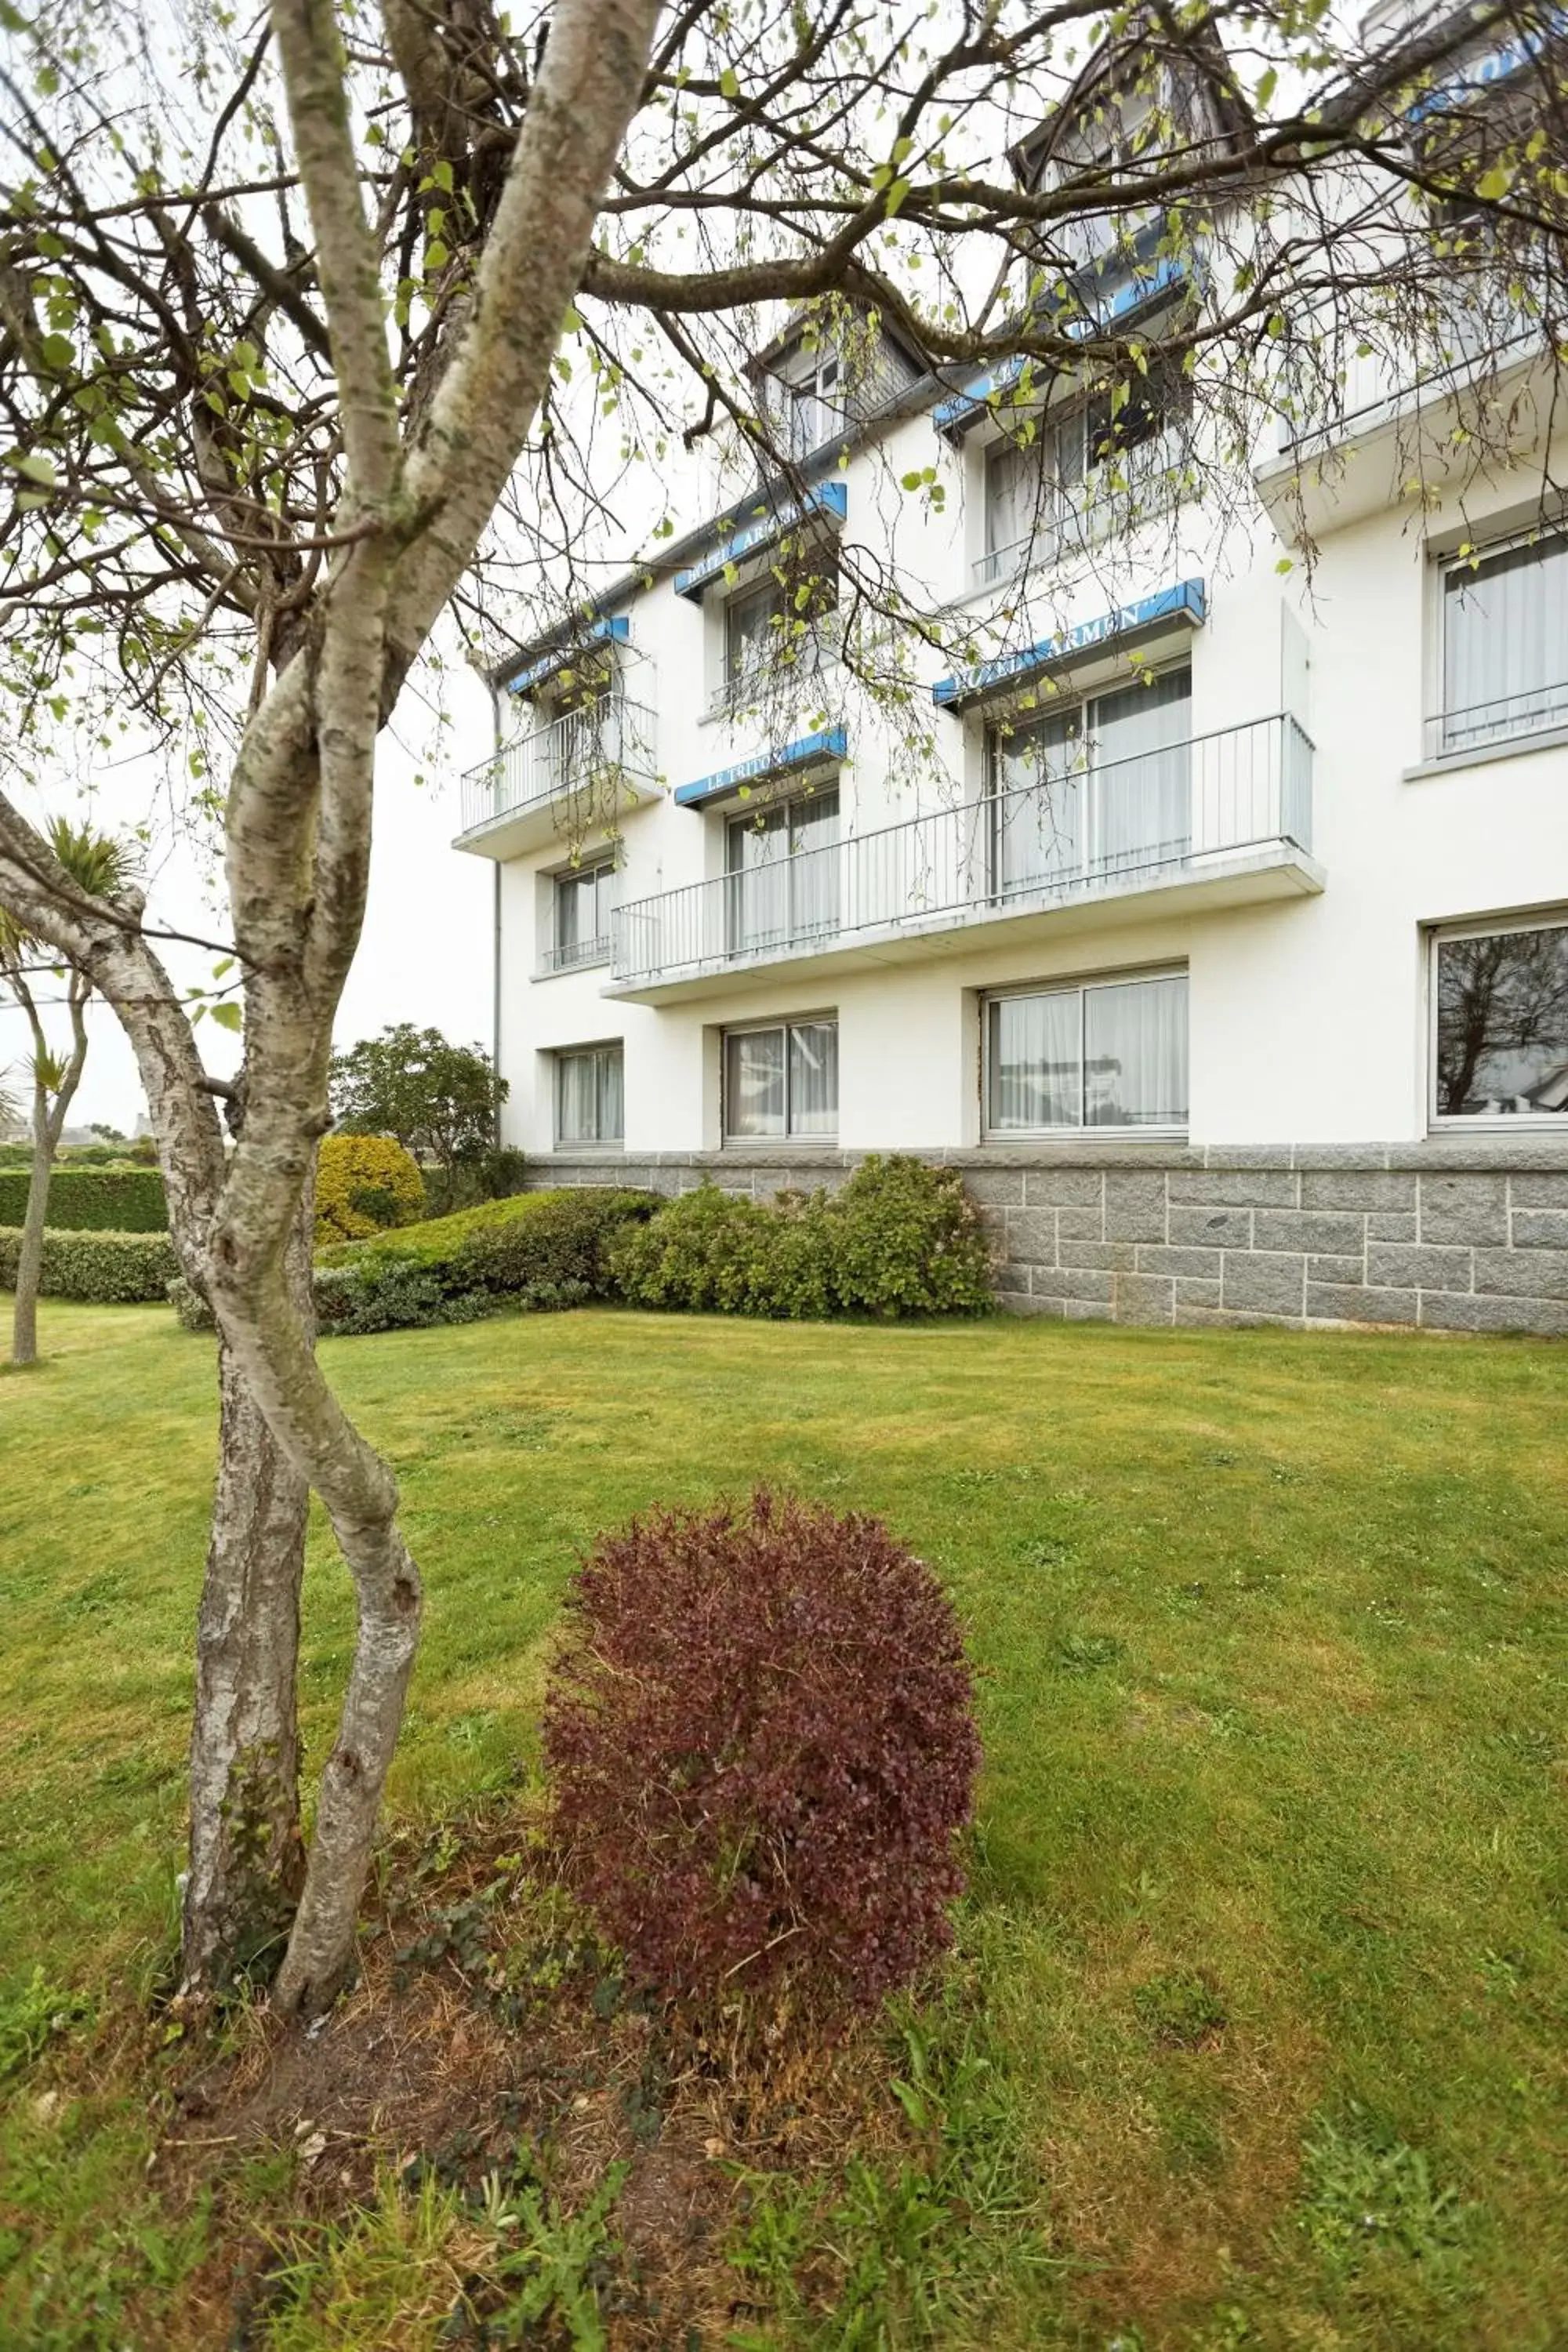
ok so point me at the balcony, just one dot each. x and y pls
(563, 781)
(1122, 493)
(1221, 820)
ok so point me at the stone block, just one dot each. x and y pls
(1158, 1257)
(1032, 1236)
(1336, 1269)
(1111, 1256)
(1335, 1302)
(1040, 1281)
(1062, 1188)
(1210, 1228)
(1084, 1283)
(1526, 1192)
(1328, 1231)
(995, 1188)
(1229, 1319)
(1524, 1274)
(1236, 1188)
(1463, 1208)
(1272, 1284)
(1135, 1205)
(1536, 1229)
(1143, 1299)
(1193, 1294)
(1421, 1268)
(1087, 1311)
(1361, 1188)
(1390, 1226)
(1080, 1224)
(1447, 1310)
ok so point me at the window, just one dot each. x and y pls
(1094, 789)
(584, 900)
(1029, 488)
(590, 1095)
(1505, 643)
(782, 1082)
(1110, 1054)
(782, 868)
(1500, 1018)
(776, 626)
(1036, 490)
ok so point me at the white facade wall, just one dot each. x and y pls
(1308, 1012)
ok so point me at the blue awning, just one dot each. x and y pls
(768, 523)
(805, 752)
(1183, 605)
(617, 630)
(1494, 65)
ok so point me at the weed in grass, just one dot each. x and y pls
(1183, 2008)
(31, 2016)
(1086, 1653)
(1366, 2193)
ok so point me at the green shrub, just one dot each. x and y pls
(90, 1200)
(364, 1183)
(899, 1239)
(103, 1269)
(533, 1241)
(389, 1295)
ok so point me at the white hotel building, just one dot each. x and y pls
(1212, 918)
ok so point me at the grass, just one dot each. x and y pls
(1270, 1904)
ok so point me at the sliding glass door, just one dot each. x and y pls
(1100, 788)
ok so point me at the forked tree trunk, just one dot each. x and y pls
(246, 1849)
(247, 1853)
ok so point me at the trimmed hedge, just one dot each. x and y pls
(899, 1239)
(103, 1269)
(91, 1200)
(363, 1184)
(539, 1250)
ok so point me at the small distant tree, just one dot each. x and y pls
(440, 1100)
(98, 865)
(107, 1134)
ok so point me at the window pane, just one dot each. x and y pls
(589, 1095)
(1040, 808)
(814, 1079)
(1037, 1075)
(1135, 1055)
(1502, 1023)
(1142, 759)
(813, 873)
(1505, 644)
(754, 1083)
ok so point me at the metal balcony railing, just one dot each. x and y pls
(574, 954)
(608, 741)
(1123, 824)
(1536, 711)
(795, 661)
(1147, 482)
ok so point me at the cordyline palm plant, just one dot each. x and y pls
(99, 865)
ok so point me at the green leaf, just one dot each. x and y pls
(229, 1016)
(727, 85)
(59, 351)
(1266, 88)
(1493, 185)
(36, 468)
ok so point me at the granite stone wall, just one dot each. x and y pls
(1446, 1236)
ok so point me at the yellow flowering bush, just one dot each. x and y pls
(364, 1183)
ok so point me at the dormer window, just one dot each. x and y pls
(826, 380)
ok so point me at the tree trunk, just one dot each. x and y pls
(30, 1255)
(247, 1853)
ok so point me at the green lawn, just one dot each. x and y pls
(1271, 1632)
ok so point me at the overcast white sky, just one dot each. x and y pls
(425, 957)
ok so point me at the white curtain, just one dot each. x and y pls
(1142, 759)
(591, 1096)
(1036, 1066)
(754, 1082)
(1040, 808)
(1135, 1054)
(1505, 643)
(814, 1077)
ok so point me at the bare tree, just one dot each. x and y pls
(234, 485)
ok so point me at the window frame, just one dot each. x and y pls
(1078, 985)
(1441, 721)
(601, 946)
(782, 1025)
(560, 1055)
(812, 650)
(1458, 1122)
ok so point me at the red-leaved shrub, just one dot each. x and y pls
(761, 1741)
